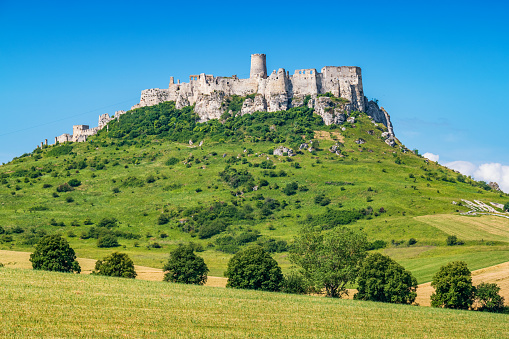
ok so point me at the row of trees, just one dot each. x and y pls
(328, 261)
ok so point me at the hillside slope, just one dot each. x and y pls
(147, 181)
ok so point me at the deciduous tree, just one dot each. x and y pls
(329, 260)
(115, 265)
(185, 267)
(53, 253)
(453, 286)
(380, 278)
(254, 269)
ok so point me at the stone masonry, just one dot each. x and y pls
(274, 92)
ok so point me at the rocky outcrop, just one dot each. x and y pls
(379, 115)
(258, 104)
(330, 112)
(281, 150)
(181, 102)
(277, 102)
(210, 106)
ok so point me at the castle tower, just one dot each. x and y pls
(258, 66)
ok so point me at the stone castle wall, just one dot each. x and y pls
(277, 90)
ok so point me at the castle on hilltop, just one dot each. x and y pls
(274, 92)
(278, 91)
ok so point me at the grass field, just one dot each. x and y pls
(47, 304)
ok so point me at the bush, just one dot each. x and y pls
(185, 267)
(488, 298)
(452, 240)
(64, 188)
(53, 253)
(74, 182)
(107, 222)
(382, 279)
(163, 219)
(376, 245)
(172, 161)
(506, 207)
(291, 188)
(255, 269)
(107, 241)
(453, 286)
(115, 265)
(210, 229)
(412, 241)
(294, 283)
(322, 200)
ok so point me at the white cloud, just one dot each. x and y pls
(464, 167)
(431, 156)
(485, 172)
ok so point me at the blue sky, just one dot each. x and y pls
(440, 68)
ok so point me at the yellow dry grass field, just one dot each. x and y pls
(15, 259)
(334, 136)
(488, 228)
(498, 274)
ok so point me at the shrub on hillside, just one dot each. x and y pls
(294, 283)
(115, 265)
(108, 222)
(255, 269)
(380, 278)
(53, 253)
(107, 241)
(64, 188)
(185, 267)
(506, 207)
(74, 182)
(452, 240)
(291, 188)
(453, 286)
(486, 295)
(322, 200)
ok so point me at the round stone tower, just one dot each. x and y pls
(258, 66)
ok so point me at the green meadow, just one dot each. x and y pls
(42, 304)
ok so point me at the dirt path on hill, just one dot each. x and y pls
(15, 259)
(498, 274)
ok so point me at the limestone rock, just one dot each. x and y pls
(351, 120)
(390, 141)
(277, 102)
(330, 112)
(181, 102)
(303, 146)
(281, 150)
(190, 142)
(297, 101)
(210, 106)
(360, 141)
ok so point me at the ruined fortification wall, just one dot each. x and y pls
(276, 89)
(275, 92)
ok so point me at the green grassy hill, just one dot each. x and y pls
(143, 182)
(37, 303)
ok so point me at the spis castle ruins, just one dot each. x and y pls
(275, 92)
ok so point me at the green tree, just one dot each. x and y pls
(53, 253)
(185, 267)
(115, 265)
(506, 206)
(488, 298)
(329, 259)
(380, 278)
(254, 269)
(453, 286)
(107, 240)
